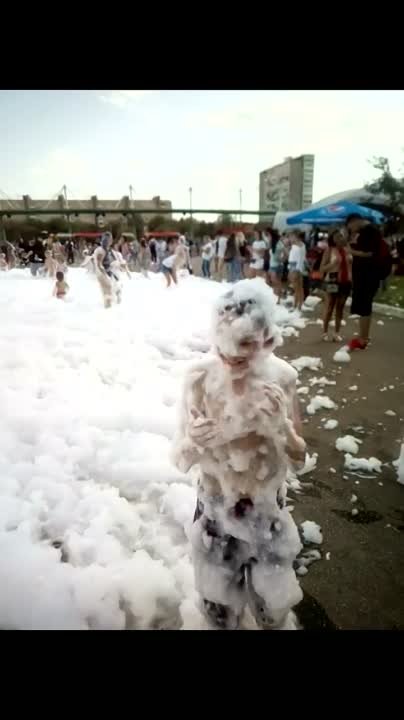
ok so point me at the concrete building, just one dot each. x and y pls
(96, 204)
(288, 186)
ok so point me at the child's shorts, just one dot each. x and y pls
(244, 555)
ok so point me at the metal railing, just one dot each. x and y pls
(101, 211)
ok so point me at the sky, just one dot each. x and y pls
(98, 142)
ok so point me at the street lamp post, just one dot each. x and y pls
(69, 226)
(240, 192)
(190, 210)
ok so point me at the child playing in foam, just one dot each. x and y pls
(61, 287)
(240, 422)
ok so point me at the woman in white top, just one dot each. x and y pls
(258, 252)
(297, 259)
(174, 259)
(277, 259)
(207, 255)
(221, 252)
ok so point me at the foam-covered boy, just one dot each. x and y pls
(240, 423)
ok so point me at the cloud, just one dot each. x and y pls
(123, 98)
(84, 173)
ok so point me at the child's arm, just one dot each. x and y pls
(195, 431)
(295, 444)
(54, 290)
(184, 452)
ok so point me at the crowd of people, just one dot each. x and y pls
(354, 259)
(106, 258)
(351, 260)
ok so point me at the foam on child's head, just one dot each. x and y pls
(245, 312)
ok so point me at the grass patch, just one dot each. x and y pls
(394, 295)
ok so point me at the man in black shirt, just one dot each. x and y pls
(36, 255)
(365, 246)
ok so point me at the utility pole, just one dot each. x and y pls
(190, 209)
(69, 228)
(241, 201)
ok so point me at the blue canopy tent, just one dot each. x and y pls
(333, 214)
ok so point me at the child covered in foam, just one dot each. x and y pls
(239, 421)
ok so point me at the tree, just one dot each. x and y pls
(225, 220)
(138, 226)
(204, 228)
(157, 223)
(187, 225)
(386, 184)
(57, 224)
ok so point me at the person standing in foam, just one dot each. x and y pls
(239, 420)
(107, 278)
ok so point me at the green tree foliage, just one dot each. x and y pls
(56, 225)
(136, 225)
(205, 228)
(226, 220)
(158, 223)
(388, 185)
(187, 225)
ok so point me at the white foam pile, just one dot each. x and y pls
(290, 331)
(311, 302)
(93, 516)
(302, 390)
(353, 388)
(307, 559)
(331, 424)
(391, 413)
(306, 362)
(342, 356)
(399, 465)
(318, 402)
(323, 381)
(348, 444)
(309, 464)
(311, 532)
(363, 464)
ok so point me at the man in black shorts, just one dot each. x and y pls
(365, 243)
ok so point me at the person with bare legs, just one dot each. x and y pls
(103, 260)
(297, 258)
(170, 263)
(61, 287)
(221, 252)
(278, 257)
(258, 249)
(239, 422)
(365, 243)
(336, 267)
(144, 257)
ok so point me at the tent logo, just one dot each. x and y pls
(335, 208)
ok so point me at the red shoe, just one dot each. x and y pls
(357, 344)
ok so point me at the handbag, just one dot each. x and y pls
(331, 284)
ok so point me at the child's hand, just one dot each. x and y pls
(295, 445)
(201, 430)
(274, 400)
